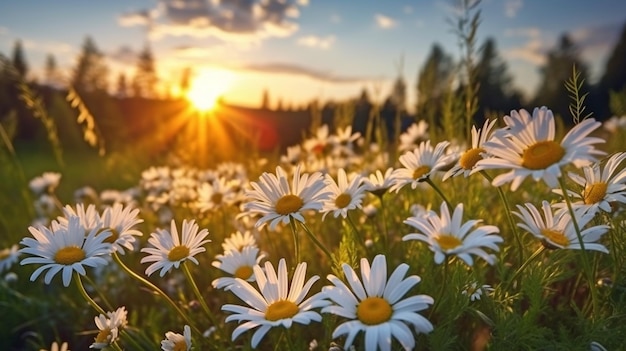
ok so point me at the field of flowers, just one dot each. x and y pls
(511, 240)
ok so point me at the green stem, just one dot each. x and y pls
(524, 265)
(384, 219)
(317, 242)
(157, 290)
(102, 296)
(356, 231)
(434, 186)
(296, 240)
(509, 217)
(289, 341)
(585, 259)
(83, 292)
(444, 283)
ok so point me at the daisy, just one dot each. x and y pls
(346, 194)
(56, 347)
(176, 342)
(8, 257)
(600, 187)
(415, 133)
(556, 230)
(46, 183)
(475, 292)
(530, 149)
(169, 250)
(378, 182)
(420, 164)
(89, 216)
(65, 248)
(275, 303)
(468, 159)
(376, 305)
(215, 195)
(109, 326)
(343, 141)
(447, 235)
(120, 221)
(238, 264)
(237, 241)
(317, 144)
(278, 201)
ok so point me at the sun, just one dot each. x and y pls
(208, 86)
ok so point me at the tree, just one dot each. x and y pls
(90, 73)
(185, 80)
(19, 61)
(556, 71)
(53, 78)
(145, 80)
(122, 87)
(265, 100)
(614, 77)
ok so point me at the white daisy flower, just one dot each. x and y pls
(343, 141)
(556, 230)
(317, 144)
(475, 292)
(346, 194)
(58, 347)
(376, 305)
(109, 326)
(448, 235)
(120, 221)
(89, 216)
(278, 201)
(378, 182)
(8, 257)
(169, 250)
(215, 195)
(46, 183)
(176, 342)
(420, 164)
(238, 240)
(238, 264)
(533, 151)
(66, 249)
(413, 135)
(476, 152)
(601, 187)
(275, 303)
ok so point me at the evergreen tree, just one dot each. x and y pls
(122, 87)
(145, 81)
(433, 81)
(53, 78)
(90, 74)
(19, 60)
(614, 78)
(556, 71)
(185, 80)
(265, 100)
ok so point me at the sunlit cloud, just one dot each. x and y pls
(313, 41)
(384, 22)
(229, 20)
(511, 7)
(56, 47)
(599, 38)
(293, 69)
(533, 50)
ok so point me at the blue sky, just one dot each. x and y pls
(300, 50)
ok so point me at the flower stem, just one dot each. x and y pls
(357, 233)
(436, 188)
(524, 265)
(317, 242)
(83, 292)
(444, 283)
(296, 240)
(385, 234)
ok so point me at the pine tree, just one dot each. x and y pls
(52, 71)
(19, 61)
(145, 80)
(185, 80)
(90, 74)
(265, 100)
(433, 81)
(122, 87)
(613, 80)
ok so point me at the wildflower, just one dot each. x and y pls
(169, 250)
(109, 326)
(89, 216)
(556, 230)
(277, 201)
(46, 183)
(343, 141)
(274, 304)
(471, 156)
(120, 221)
(449, 236)
(376, 305)
(176, 342)
(8, 257)
(238, 264)
(215, 195)
(531, 149)
(237, 241)
(415, 133)
(378, 183)
(65, 248)
(56, 347)
(601, 187)
(346, 194)
(317, 144)
(475, 292)
(420, 164)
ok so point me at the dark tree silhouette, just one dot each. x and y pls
(185, 80)
(19, 60)
(265, 100)
(614, 77)
(122, 87)
(145, 80)
(91, 72)
(53, 76)
(433, 81)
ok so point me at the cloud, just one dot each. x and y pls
(240, 20)
(384, 22)
(288, 68)
(124, 54)
(47, 46)
(511, 7)
(335, 18)
(596, 39)
(313, 41)
(533, 50)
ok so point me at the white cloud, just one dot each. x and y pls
(288, 68)
(47, 46)
(533, 50)
(384, 22)
(313, 41)
(511, 7)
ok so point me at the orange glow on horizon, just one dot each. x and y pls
(208, 87)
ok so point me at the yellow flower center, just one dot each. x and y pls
(69, 255)
(112, 237)
(280, 310)
(177, 253)
(420, 172)
(470, 157)
(243, 272)
(180, 345)
(288, 204)
(374, 310)
(555, 236)
(343, 200)
(448, 242)
(594, 193)
(216, 198)
(318, 148)
(4, 254)
(542, 155)
(103, 336)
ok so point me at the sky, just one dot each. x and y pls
(300, 50)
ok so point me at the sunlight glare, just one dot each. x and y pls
(208, 86)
